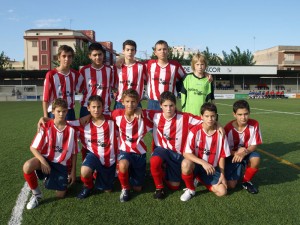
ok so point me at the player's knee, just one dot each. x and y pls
(220, 190)
(123, 165)
(61, 194)
(231, 184)
(85, 172)
(187, 166)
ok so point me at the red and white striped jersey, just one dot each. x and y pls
(100, 140)
(94, 81)
(55, 145)
(207, 147)
(251, 135)
(58, 85)
(131, 134)
(162, 79)
(172, 133)
(127, 77)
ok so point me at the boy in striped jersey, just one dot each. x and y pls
(205, 153)
(170, 130)
(99, 137)
(61, 83)
(131, 74)
(95, 79)
(243, 136)
(132, 148)
(53, 146)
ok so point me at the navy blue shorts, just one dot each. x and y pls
(172, 160)
(233, 171)
(70, 115)
(57, 179)
(137, 167)
(207, 179)
(105, 175)
(83, 111)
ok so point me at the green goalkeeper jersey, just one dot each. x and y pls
(194, 92)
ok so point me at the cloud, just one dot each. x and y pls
(10, 11)
(47, 23)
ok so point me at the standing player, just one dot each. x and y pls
(95, 79)
(205, 154)
(162, 75)
(99, 137)
(170, 130)
(196, 88)
(131, 74)
(61, 83)
(54, 144)
(243, 136)
(132, 148)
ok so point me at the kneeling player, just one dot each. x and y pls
(204, 155)
(243, 136)
(53, 146)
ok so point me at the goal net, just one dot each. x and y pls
(18, 93)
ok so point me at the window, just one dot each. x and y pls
(34, 44)
(289, 57)
(44, 60)
(55, 44)
(34, 58)
(44, 45)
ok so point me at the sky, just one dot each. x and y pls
(219, 25)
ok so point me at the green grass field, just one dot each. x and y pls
(278, 201)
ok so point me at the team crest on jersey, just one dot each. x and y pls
(57, 149)
(167, 137)
(129, 139)
(99, 143)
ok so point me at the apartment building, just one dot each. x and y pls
(41, 46)
(284, 57)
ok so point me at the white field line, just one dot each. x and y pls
(267, 110)
(16, 216)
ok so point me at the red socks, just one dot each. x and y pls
(31, 179)
(156, 171)
(88, 182)
(124, 180)
(249, 174)
(189, 181)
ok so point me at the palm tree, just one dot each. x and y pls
(238, 58)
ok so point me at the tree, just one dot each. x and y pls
(3, 61)
(212, 58)
(238, 58)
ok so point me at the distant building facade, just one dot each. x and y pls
(182, 50)
(284, 57)
(41, 46)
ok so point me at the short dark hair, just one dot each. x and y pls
(241, 104)
(208, 106)
(161, 42)
(65, 48)
(95, 98)
(131, 93)
(167, 95)
(129, 42)
(96, 46)
(59, 102)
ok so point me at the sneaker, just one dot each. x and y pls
(159, 194)
(34, 201)
(124, 197)
(187, 195)
(196, 182)
(85, 192)
(250, 187)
